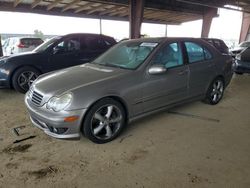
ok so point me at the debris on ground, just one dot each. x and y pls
(43, 172)
(17, 129)
(194, 116)
(19, 148)
(21, 140)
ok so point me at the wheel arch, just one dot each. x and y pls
(114, 97)
(17, 68)
(214, 78)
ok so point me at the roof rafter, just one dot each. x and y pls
(17, 2)
(35, 3)
(53, 4)
(83, 7)
(71, 5)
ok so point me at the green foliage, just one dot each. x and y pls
(39, 34)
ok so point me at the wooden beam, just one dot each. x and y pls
(83, 7)
(119, 12)
(124, 13)
(52, 5)
(94, 9)
(115, 9)
(70, 5)
(17, 2)
(35, 3)
(98, 8)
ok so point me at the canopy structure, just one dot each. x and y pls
(136, 11)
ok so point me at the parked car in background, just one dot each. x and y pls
(17, 45)
(242, 62)
(132, 79)
(240, 48)
(4, 44)
(19, 71)
(218, 44)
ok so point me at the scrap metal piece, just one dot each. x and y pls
(17, 129)
(30, 137)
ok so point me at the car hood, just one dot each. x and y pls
(66, 80)
(236, 49)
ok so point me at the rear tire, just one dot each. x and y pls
(23, 78)
(215, 91)
(104, 121)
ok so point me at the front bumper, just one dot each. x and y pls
(241, 66)
(52, 123)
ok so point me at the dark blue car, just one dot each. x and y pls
(242, 62)
(19, 71)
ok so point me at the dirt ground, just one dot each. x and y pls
(210, 148)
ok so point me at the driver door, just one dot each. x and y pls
(65, 54)
(170, 87)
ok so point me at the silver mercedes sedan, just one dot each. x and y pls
(133, 79)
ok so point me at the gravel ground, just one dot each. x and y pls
(210, 148)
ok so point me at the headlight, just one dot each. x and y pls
(3, 60)
(59, 103)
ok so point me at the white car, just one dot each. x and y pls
(16, 45)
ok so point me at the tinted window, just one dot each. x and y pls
(169, 56)
(208, 55)
(109, 41)
(94, 43)
(197, 53)
(68, 45)
(47, 44)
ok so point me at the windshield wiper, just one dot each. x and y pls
(110, 65)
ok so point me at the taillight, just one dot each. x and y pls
(21, 45)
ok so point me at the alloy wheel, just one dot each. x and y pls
(106, 122)
(26, 79)
(217, 91)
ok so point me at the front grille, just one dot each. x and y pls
(35, 97)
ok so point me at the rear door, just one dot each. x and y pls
(170, 87)
(201, 66)
(93, 46)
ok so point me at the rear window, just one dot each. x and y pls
(31, 41)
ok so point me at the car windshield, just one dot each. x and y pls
(127, 54)
(245, 44)
(46, 44)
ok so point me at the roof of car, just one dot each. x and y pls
(160, 39)
(85, 34)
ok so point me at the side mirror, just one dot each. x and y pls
(157, 69)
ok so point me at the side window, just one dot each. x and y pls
(94, 43)
(109, 41)
(169, 56)
(208, 55)
(197, 53)
(68, 45)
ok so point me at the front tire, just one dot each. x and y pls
(104, 121)
(23, 78)
(215, 91)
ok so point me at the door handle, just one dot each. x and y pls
(183, 72)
